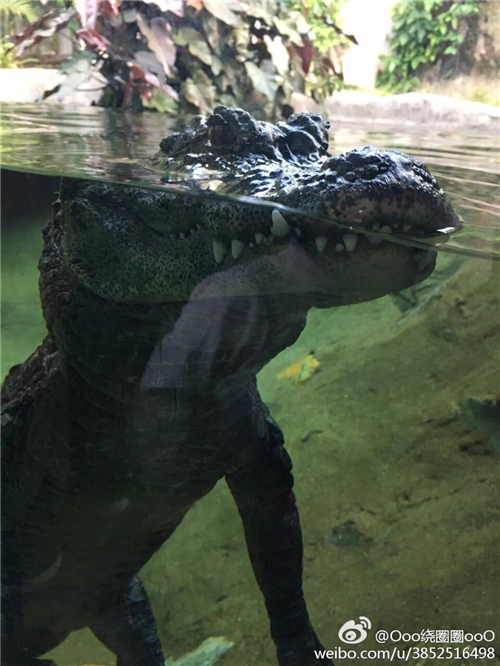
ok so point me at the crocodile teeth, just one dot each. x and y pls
(182, 234)
(280, 226)
(350, 241)
(298, 232)
(407, 227)
(219, 250)
(339, 247)
(237, 248)
(374, 241)
(321, 242)
(259, 238)
(386, 229)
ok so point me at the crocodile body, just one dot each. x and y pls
(161, 309)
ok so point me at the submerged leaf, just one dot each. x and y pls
(205, 654)
(302, 370)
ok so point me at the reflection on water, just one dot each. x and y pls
(115, 146)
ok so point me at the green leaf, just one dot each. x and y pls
(185, 36)
(261, 78)
(221, 11)
(285, 29)
(199, 91)
(201, 50)
(25, 8)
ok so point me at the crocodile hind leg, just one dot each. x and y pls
(129, 629)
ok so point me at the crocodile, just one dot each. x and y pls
(161, 308)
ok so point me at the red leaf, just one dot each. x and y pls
(152, 79)
(109, 8)
(89, 10)
(306, 52)
(93, 38)
(46, 26)
(160, 40)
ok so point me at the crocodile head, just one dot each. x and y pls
(136, 245)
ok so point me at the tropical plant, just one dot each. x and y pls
(176, 55)
(8, 59)
(323, 41)
(23, 8)
(10, 9)
(422, 32)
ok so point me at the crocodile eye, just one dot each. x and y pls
(330, 164)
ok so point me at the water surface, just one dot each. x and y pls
(113, 146)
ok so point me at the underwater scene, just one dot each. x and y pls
(147, 486)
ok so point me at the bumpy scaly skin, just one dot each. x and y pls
(161, 309)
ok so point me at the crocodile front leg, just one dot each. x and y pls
(265, 499)
(129, 629)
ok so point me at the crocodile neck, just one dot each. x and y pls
(195, 358)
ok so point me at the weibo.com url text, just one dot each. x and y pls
(407, 653)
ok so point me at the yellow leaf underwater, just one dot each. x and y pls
(302, 370)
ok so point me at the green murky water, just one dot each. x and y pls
(395, 477)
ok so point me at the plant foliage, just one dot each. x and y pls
(422, 32)
(189, 55)
(318, 22)
(10, 9)
(24, 8)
